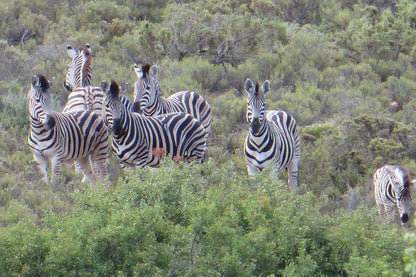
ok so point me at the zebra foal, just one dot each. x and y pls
(149, 101)
(392, 191)
(59, 137)
(143, 141)
(273, 137)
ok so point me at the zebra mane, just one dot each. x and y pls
(114, 89)
(405, 192)
(145, 69)
(86, 68)
(256, 89)
(41, 82)
(406, 178)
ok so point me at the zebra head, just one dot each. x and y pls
(79, 70)
(146, 89)
(38, 102)
(402, 187)
(256, 104)
(113, 108)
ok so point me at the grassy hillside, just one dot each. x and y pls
(345, 70)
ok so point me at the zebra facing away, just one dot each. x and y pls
(60, 137)
(273, 137)
(149, 101)
(392, 191)
(82, 95)
(144, 141)
(79, 70)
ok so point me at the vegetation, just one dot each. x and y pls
(345, 70)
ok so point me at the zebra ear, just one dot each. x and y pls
(35, 81)
(123, 88)
(40, 82)
(138, 71)
(266, 86)
(67, 87)
(71, 52)
(104, 86)
(153, 70)
(413, 186)
(88, 46)
(249, 86)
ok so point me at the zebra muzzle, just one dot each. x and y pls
(404, 218)
(255, 125)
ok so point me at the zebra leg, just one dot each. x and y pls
(86, 169)
(292, 172)
(252, 170)
(99, 166)
(43, 166)
(56, 170)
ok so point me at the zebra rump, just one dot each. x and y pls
(144, 141)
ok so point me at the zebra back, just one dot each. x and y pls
(144, 141)
(149, 101)
(85, 99)
(392, 190)
(59, 137)
(273, 138)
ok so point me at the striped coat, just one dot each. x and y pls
(392, 191)
(149, 101)
(82, 95)
(59, 137)
(273, 138)
(144, 141)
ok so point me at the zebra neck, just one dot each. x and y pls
(38, 128)
(160, 106)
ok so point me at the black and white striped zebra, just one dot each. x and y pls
(143, 141)
(149, 101)
(82, 95)
(79, 70)
(392, 191)
(273, 137)
(60, 137)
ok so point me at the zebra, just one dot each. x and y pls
(60, 137)
(79, 70)
(392, 191)
(273, 137)
(82, 95)
(149, 101)
(140, 140)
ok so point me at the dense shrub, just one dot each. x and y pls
(198, 219)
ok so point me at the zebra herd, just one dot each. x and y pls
(151, 127)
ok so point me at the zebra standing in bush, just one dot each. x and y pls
(143, 141)
(273, 137)
(83, 96)
(392, 191)
(149, 101)
(58, 137)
